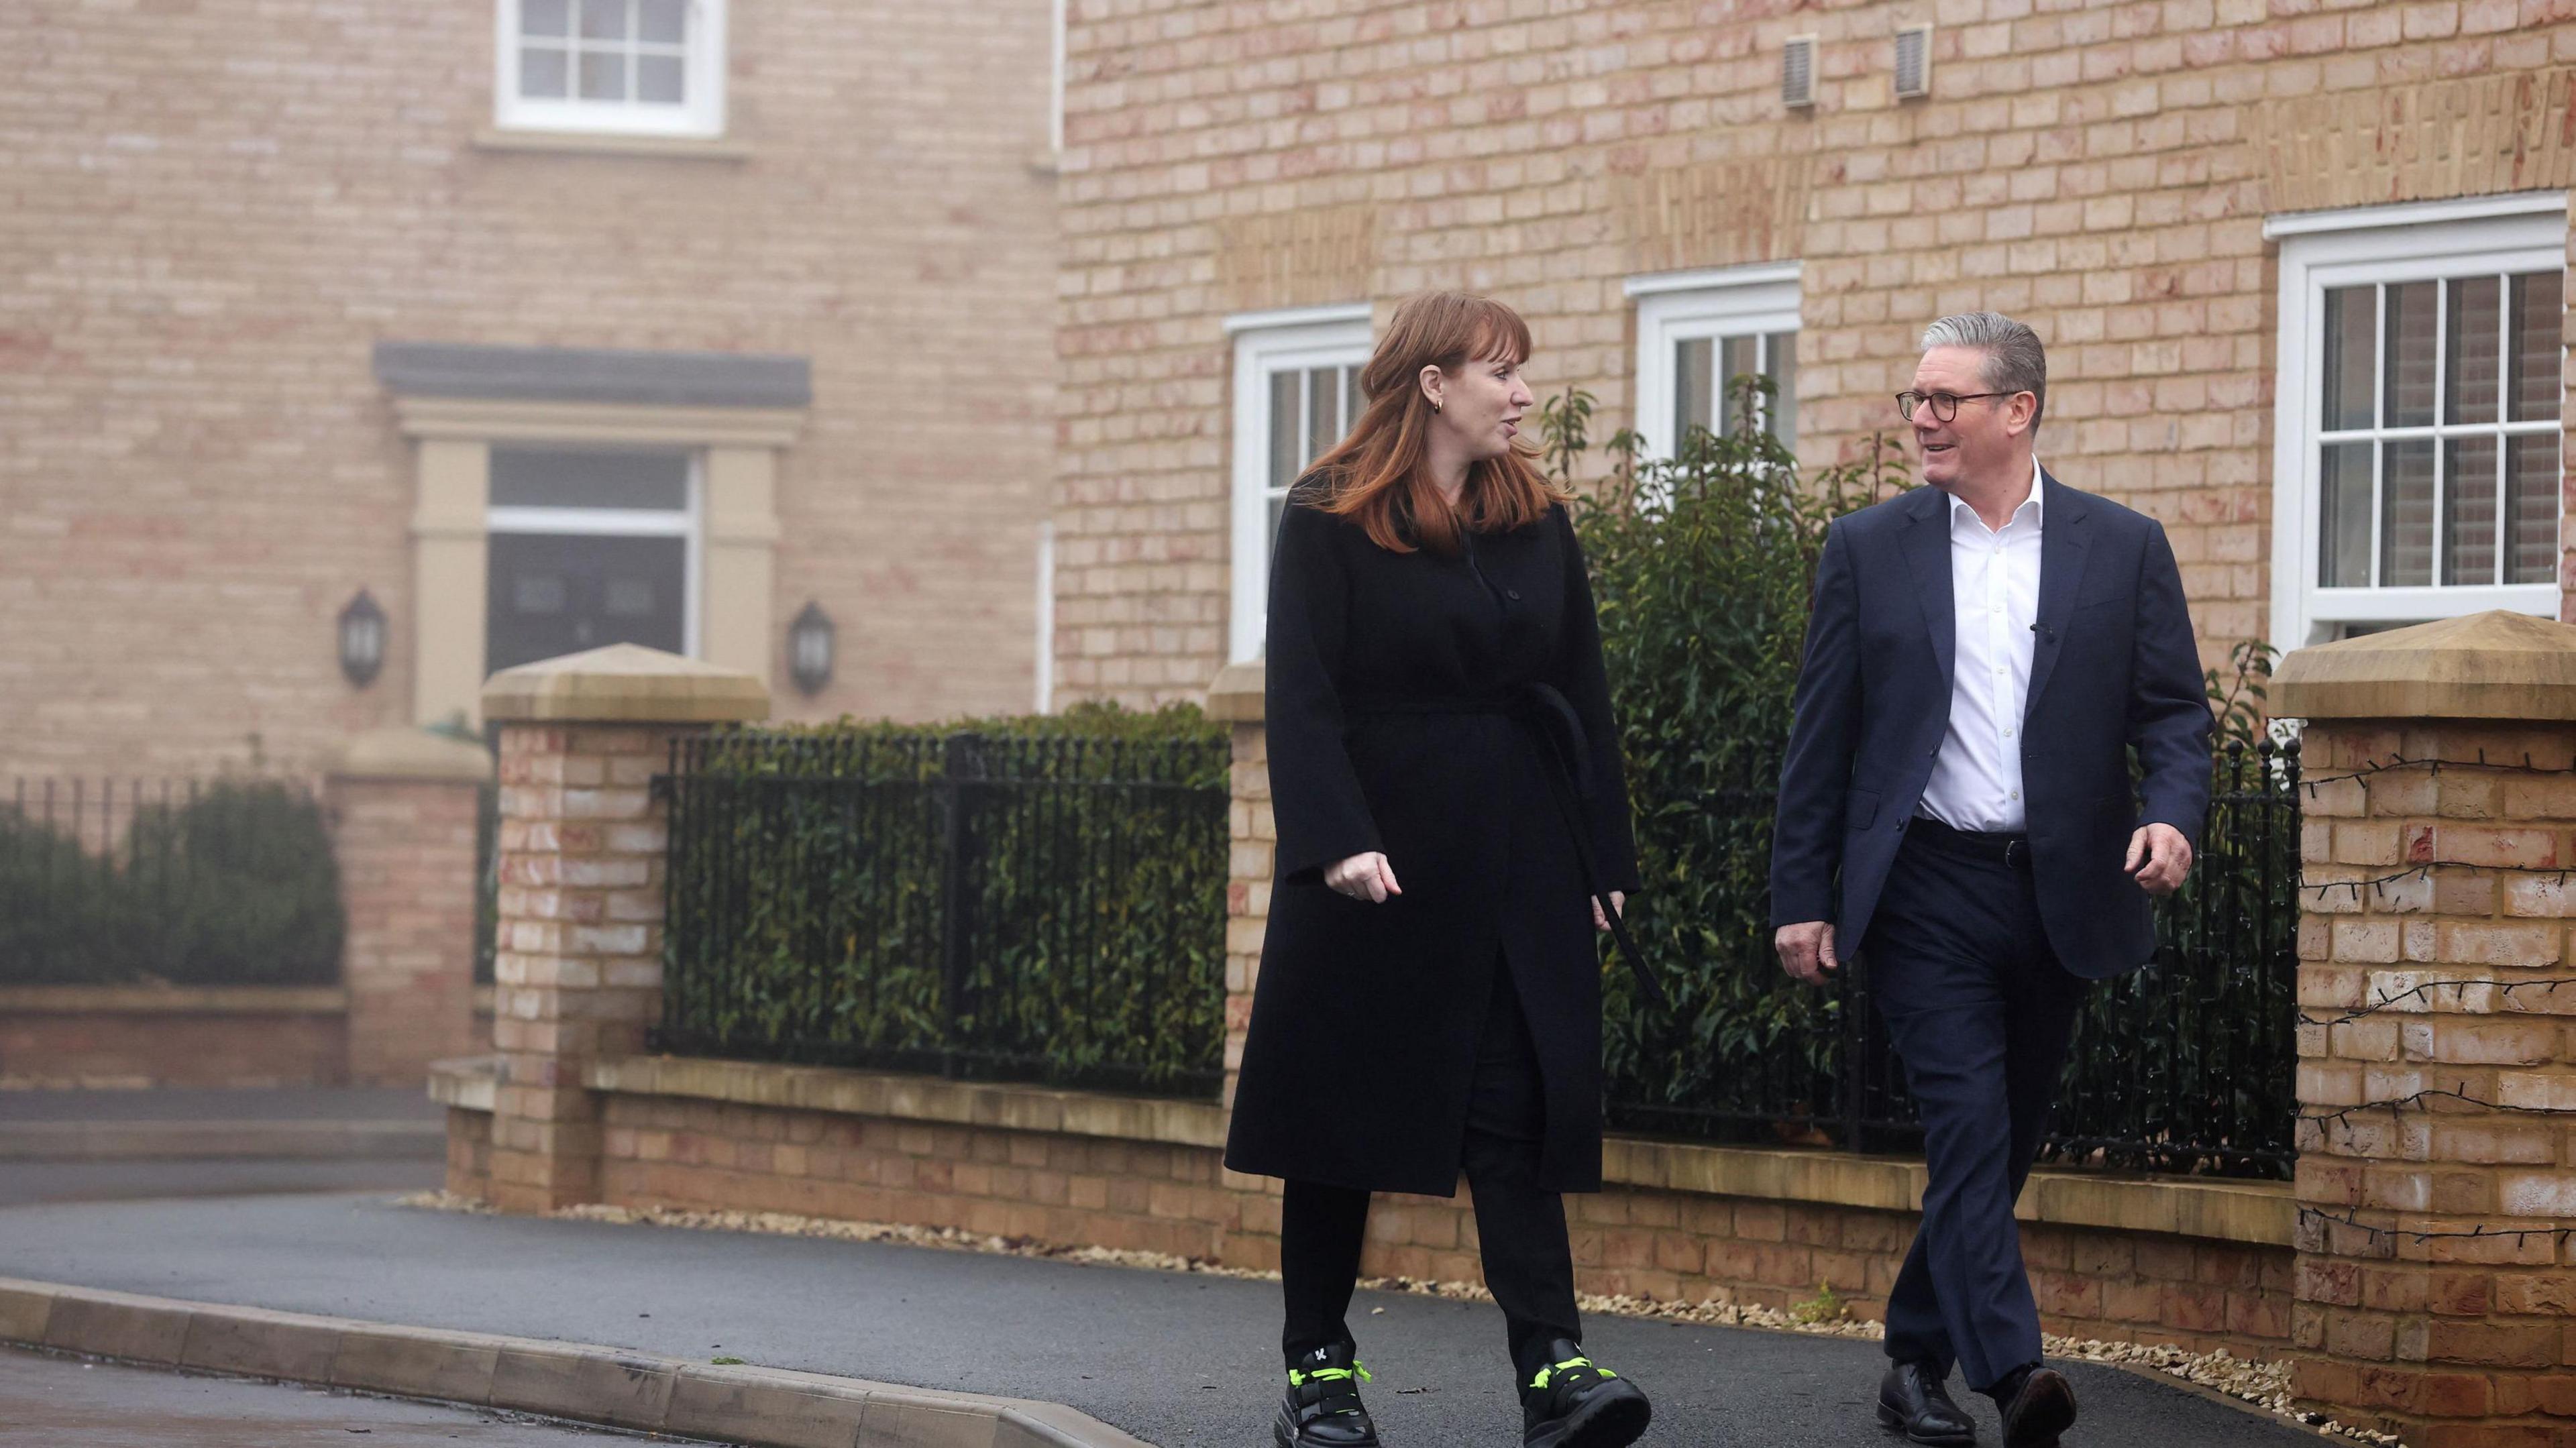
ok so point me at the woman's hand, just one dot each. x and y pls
(1618, 902)
(1364, 877)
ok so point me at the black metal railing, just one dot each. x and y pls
(187, 882)
(2187, 1065)
(1037, 908)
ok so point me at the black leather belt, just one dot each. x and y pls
(1547, 714)
(2012, 851)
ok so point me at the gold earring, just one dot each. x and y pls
(1435, 404)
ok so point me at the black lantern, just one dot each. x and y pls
(809, 648)
(362, 639)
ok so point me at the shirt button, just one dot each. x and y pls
(2007, 734)
(2016, 794)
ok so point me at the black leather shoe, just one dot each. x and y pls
(2043, 1408)
(1573, 1402)
(1912, 1401)
(1322, 1409)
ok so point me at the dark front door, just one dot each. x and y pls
(560, 593)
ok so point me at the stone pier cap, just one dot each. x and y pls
(624, 684)
(2491, 665)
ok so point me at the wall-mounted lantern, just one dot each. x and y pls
(362, 639)
(809, 649)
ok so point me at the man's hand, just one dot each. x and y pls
(1618, 902)
(2159, 859)
(1364, 877)
(1806, 950)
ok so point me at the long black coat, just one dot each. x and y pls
(1365, 1017)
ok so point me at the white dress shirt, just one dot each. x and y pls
(1994, 590)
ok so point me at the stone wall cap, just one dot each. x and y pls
(412, 754)
(1235, 696)
(2492, 665)
(624, 684)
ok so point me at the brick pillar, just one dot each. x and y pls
(2459, 1337)
(1251, 1237)
(402, 805)
(578, 972)
(1236, 698)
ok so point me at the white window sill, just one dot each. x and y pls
(603, 143)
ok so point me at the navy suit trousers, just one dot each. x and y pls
(1981, 1012)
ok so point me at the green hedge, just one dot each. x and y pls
(235, 886)
(1704, 565)
(1701, 568)
(1071, 929)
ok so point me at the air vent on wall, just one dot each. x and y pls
(1798, 71)
(1914, 62)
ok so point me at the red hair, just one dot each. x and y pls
(1376, 474)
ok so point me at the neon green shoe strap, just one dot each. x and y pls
(1547, 1375)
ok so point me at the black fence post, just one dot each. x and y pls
(957, 758)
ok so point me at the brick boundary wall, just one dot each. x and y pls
(1174, 1198)
(402, 806)
(72, 1037)
(577, 1114)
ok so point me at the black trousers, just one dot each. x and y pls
(1979, 1008)
(1520, 1227)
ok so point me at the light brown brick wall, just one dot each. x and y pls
(1072, 1190)
(2446, 1340)
(406, 854)
(128, 1048)
(2100, 170)
(469, 1153)
(214, 209)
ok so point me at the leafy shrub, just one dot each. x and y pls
(234, 885)
(1702, 565)
(1040, 896)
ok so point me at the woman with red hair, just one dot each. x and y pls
(1445, 774)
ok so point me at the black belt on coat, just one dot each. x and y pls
(1547, 714)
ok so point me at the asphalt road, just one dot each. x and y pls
(32, 1182)
(1179, 1360)
(62, 1402)
(219, 1103)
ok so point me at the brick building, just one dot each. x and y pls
(2298, 264)
(543, 323)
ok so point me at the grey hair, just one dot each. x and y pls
(2015, 362)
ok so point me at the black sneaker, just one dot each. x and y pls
(1575, 1403)
(1322, 1409)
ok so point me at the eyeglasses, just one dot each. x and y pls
(1945, 405)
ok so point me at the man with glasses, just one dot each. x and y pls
(1984, 654)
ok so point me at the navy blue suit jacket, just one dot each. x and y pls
(2114, 667)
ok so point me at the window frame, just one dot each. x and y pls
(1266, 343)
(686, 523)
(1675, 307)
(701, 115)
(2486, 235)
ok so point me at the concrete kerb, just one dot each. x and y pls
(755, 1406)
